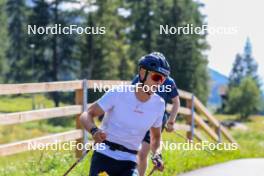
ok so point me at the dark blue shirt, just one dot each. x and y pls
(166, 95)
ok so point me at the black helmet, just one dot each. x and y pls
(155, 62)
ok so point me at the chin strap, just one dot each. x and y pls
(143, 80)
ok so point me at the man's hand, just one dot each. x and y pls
(157, 161)
(170, 125)
(99, 136)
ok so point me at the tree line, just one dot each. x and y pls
(132, 30)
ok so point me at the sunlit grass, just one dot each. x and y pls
(57, 162)
(23, 103)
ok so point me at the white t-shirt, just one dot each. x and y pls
(127, 120)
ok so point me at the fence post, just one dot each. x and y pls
(190, 119)
(218, 131)
(84, 108)
(79, 101)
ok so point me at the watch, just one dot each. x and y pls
(94, 130)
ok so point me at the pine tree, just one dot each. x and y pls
(3, 40)
(17, 51)
(110, 41)
(62, 65)
(244, 92)
(188, 63)
(184, 52)
(126, 63)
(89, 51)
(40, 44)
(251, 65)
(145, 19)
(52, 55)
(237, 72)
(244, 66)
(103, 56)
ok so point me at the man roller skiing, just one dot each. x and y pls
(169, 93)
(128, 116)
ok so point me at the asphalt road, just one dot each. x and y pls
(241, 167)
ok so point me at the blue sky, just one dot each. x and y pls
(247, 17)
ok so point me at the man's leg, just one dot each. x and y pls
(143, 155)
(102, 163)
(129, 168)
(143, 158)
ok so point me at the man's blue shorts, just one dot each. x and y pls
(102, 163)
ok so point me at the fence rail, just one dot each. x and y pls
(27, 116)
(80, 88)
(26, 145)
(9, 89)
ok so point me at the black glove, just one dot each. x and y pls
(157, 161)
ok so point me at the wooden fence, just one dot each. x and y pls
(195, 112)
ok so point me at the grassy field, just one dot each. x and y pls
(23, 103)
(50, 162)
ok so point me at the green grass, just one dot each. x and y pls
(10, 133)
(23, 103)
(29, 130)
(57, 162)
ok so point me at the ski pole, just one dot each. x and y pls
(76, 162)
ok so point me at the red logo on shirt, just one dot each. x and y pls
(138, 111)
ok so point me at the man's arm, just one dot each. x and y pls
(87, 120)
(173, 113)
